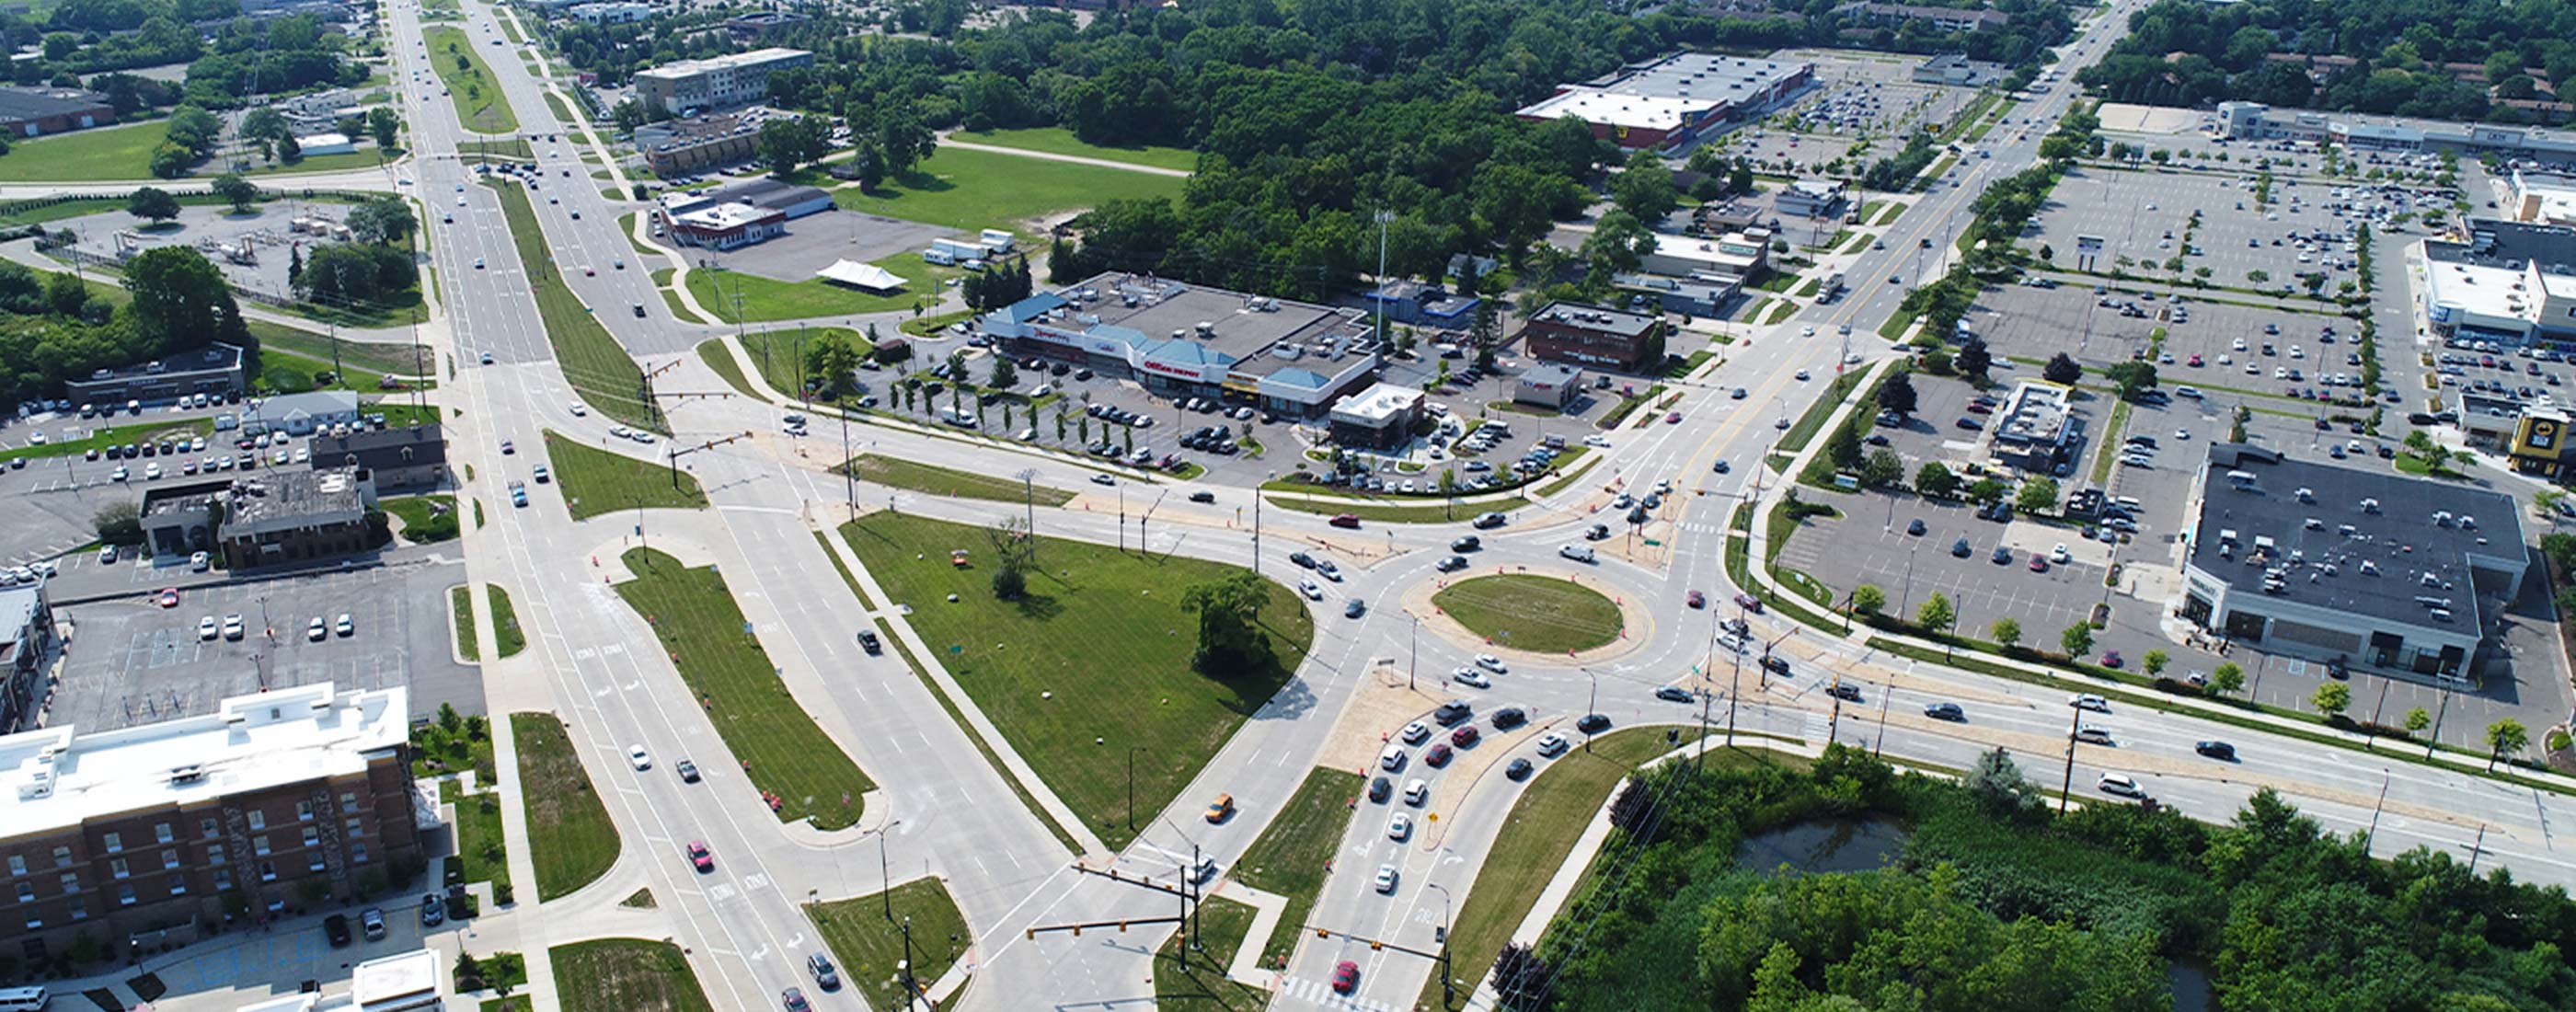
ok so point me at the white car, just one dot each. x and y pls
(1386, 878)
(1415, 733)
(578, 410)
(232, 627)
(2058, 554)
(2121, 784)
(1399, 828)
(1311, 589)
(2094, 734)
(619, 431)
(1551, 744)
(344, 626)
(638, 758)
(1325, 568)
(1492, 663)
(206, 628)
(641, 436)
(1597, 440)
(315, 630)
(1416, 792)
(2089, 701)
(199, 562)
(1471, 676)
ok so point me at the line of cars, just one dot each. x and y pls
(702, 859)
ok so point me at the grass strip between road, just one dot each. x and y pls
(775, 741)
(507, 638)
(866, 937)
(599, 368)
(1093, 659)
(596, 481)
(2110, 448)
(627, 975)
(471, 87)
(571, 840)
(1427, 513)
(713, 353)
(1294, 853)
(1541, 830)
(480, 845)
(936, 480)
(955, 716)
(1812, 421)
(1203, 987)
(460, 607)
(1547, 614)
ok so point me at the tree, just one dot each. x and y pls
(2133, 378)
(1229, 642)
(1897, 394)
(2006, 631)
(1867, 599)
(2038, 495)
(1843, 448)
(1936, 613)
(830, 363)
(235, 190)
(154, 203)
(1005, 376)
(1645, 188)
(787, 143)
(2227, 678)
(2154, 662)
(1973, 359)
(1998, 784)
(1619, 242)
(2417, 720)
(384, 220)
(265, 127)
(1936, 480)
(386, 127)
(2061, 369)
(2505, 737)
(1521, 979)
(2077, 639)
(2332, 699)
(170, 161)
(180, 300)
(1882, 469)
(120, 523)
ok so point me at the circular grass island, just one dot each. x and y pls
(1546, 614)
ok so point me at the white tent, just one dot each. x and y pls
(858, 275)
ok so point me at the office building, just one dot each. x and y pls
(738, 215)
(1421, 305)
(26, 646)
(1736, 256)
(2369, 569)
(762, 26)
(1573, 333)
(619, 13)
(301, 414)
(684, 147)
(215, 370)
(1179, 340)
(689, 87)
(2509, 281)
(1812, 198)
(1667, 103)
(1547, 385)
(35, 112)
(413, 457)
(1378, 418)
(1946, 68)
(1946, 19)
(274, 517)
(1690, 296)
(164, 833)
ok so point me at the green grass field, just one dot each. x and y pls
(937, 480)
(425, 518)
(116, 152)
(1105, 634)
(765, 300)
(868, 945)
(1060, 141)
(1542, 826)
(480, 106)
(480, 845)
(973, 190)
(599, 368)
(363, 158)
(460, 609)
(627, 975)
(596, 481)
(1203, 987)
(694, 616)
(1542, 613)
(1294, 850)
(374, 357)
(568, 827)
(508, 638)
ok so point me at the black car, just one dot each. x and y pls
(1380, 788)
(1466, 543)
(868, 641)
(1593, 723)
(1354, 609)
(1960, 548)
(1303, 560)
(1518, 770)
(1844, 691)
(1915, 527)
(688, 771)
(1509, 717)
(1944, 711)
(1202, 496)
(336, 928)
(1673, 693)
(1452, 712)
(2216, 750)
(1775, 664)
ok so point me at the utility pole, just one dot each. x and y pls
(1029, 501)
(911, 984)
(849, 476)
(2372, 834)
(1413, 642)
(2067, 787)
(1383, 217)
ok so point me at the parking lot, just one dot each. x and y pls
(815, 241)
(131, 661)
(1879, 549)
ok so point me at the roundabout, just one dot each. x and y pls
(1534, 613)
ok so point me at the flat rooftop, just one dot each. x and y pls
(1376, 405)
(688, 68)
(1636, 112)
(275, 495)
(1595, 318)
(1252, 333)
(2331, 551)
(2034, 413)
(1698, 76)
(55, 778)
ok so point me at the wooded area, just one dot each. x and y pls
(2436, 58)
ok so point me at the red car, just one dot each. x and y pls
(2111, 659)
(169, 597)
(1345, 520)
(701, 857)
(1749, 603)
(1439, 754)
(2195, 360)
(1981, 409)
(1697, 600)
(2038, 564)
(1346, 977)
(1672, 418)
(1464, 736)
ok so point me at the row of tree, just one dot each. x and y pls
(52, 330)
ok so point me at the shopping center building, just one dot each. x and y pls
(1180, 340)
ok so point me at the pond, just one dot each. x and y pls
(1825, 845)
(2189, 981)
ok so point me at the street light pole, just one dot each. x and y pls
(2067, 787)
(1413, 641)
(1591, 704)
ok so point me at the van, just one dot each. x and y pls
(1552, 440)
(23, 999)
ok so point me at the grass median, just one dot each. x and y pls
(599, 368)
(1203, 987)
(769, 733)
(866, 937)
(1295, 852)
(460, 608)
(1543, 613)
(1092, 660)
(778, 354)
(596, 481)
(627, 975)
(936, 480)
(508, 638)
(473, 89)
(1439, 512)
(571, 839)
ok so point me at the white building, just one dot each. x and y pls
(405, 983)
(333, 143)
(1735, 255)
(1811, 198)
(611, 13)
(2544, 197)
(2511, 281)
(690, 86)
